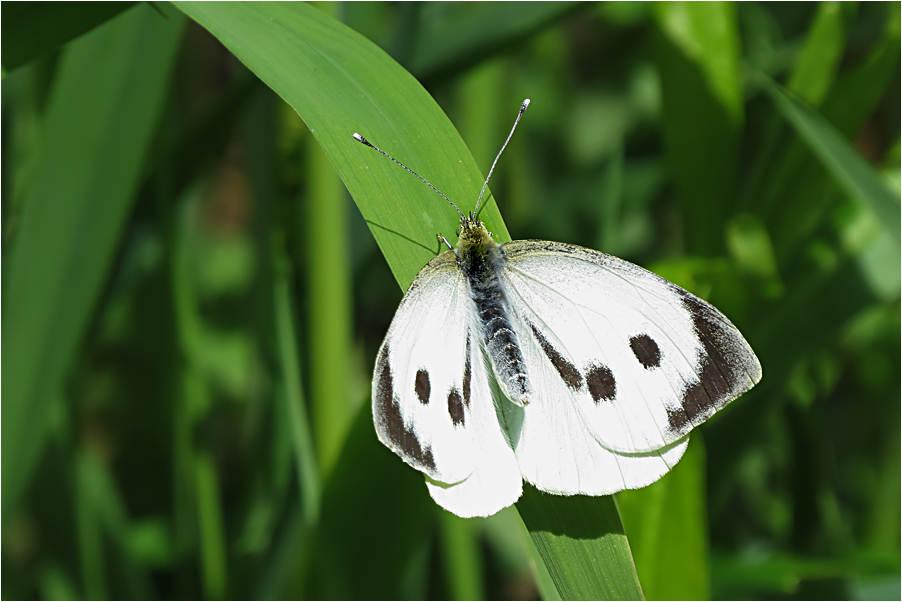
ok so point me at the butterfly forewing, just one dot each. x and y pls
(641, 360)
(558, 452)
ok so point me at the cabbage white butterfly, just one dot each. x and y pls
(575, 370)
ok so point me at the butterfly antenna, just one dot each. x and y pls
(366, 142)
(523, 108)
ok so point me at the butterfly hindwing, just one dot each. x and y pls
(495, 482)
(557, 450)
(432, 402)
(640, 360)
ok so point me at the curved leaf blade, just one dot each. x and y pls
(859, 179)
(583, 544)
(340, 83)
(107, 97)
(35, 28)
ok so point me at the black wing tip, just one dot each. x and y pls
(389, 421)
(728, 367)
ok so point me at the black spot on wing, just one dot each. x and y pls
(646, 351)
(678, 420)
(569, 374)
(421, 386)
(468, 373)
(391, 422)
(722, 367)
(602, 385)
(455, 407)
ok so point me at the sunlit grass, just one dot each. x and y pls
(192, 303)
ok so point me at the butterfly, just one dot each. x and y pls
(545, 361)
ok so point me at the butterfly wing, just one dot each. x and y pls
(556, 451)
(635, 358)
(432, 402)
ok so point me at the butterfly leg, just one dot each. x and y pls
(442, 239)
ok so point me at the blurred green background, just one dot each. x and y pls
(192, 302)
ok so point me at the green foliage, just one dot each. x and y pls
(97, 133)
(35, 29)
(582, 542)
(667, 525)
(192, 302)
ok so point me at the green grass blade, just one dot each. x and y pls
(708, 36)
(103, 109)
(56, 584)
(856, 94)
(372, 541)
(582, 541)
(462, 557)
(90, 541)
(697, 53)
(544, 581)
(31, 29)
(859, 179)
(790, 193)
(783, 573)
(667, 526)
(324, 231)
(447, 46)
(290, 367)
(340, 83)
(483, 112)
(816, 67)
(212, 535)
(105, 501)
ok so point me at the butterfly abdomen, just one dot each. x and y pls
(481, 263)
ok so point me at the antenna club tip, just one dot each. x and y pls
(359, 138)
(524, 105)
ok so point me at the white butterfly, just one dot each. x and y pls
(575, 370)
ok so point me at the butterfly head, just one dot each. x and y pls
(472, 235)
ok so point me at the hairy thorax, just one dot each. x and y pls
(481, 260)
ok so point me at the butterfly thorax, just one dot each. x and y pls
(481, 260)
